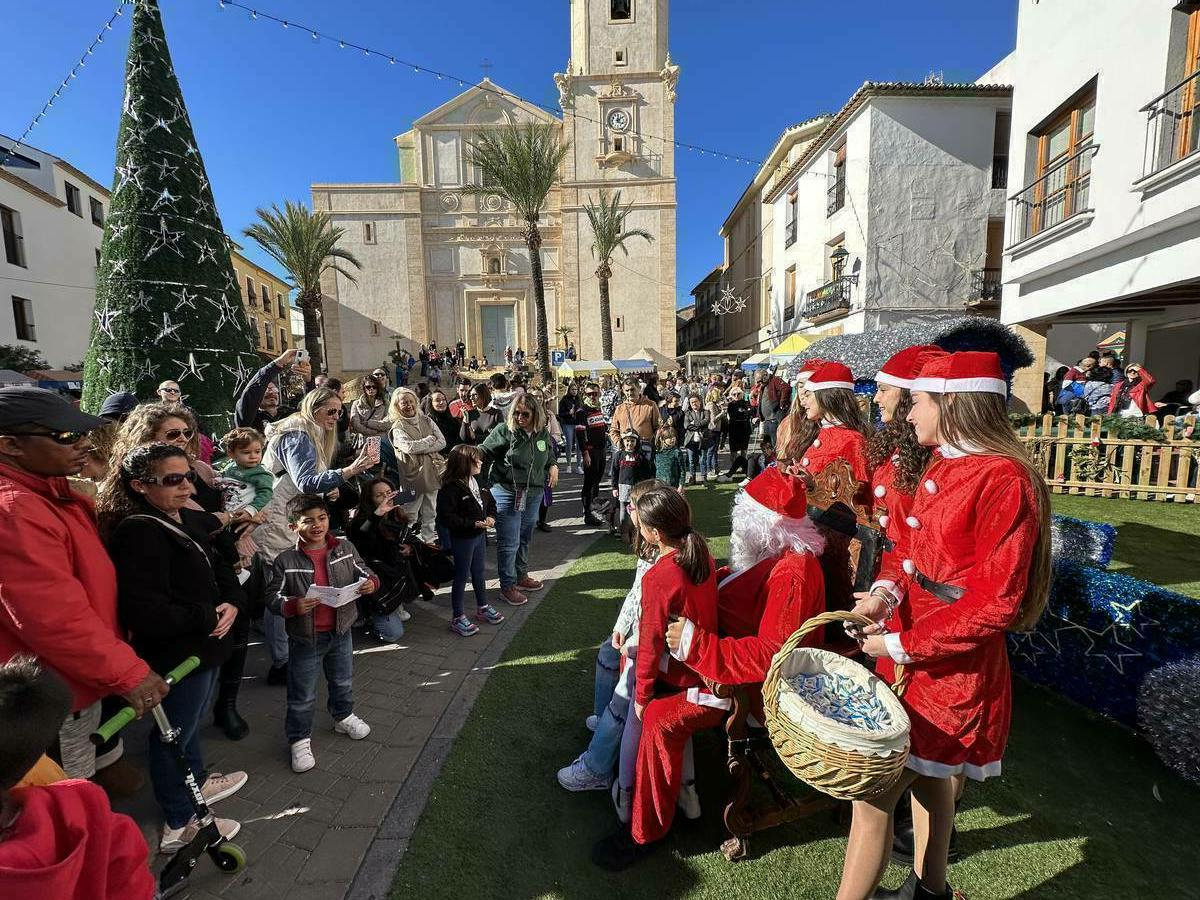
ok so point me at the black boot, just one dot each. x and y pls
(906, 891)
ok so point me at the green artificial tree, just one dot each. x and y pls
(168, 305)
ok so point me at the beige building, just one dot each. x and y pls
(441, 264)
(267, 308)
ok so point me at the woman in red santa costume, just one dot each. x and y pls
(825, 424)
(773, 584)
(977, 563)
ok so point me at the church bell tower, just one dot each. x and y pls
(618, 102)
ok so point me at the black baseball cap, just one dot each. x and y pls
(37, 406)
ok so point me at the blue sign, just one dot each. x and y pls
(558, 357)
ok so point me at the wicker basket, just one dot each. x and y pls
(840, 760)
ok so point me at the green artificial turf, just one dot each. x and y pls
(1084, 809)
(1158, 542)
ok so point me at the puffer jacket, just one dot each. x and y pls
(292, 575)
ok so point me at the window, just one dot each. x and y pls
(23, 319)
(270, 335)
(837, 189)
(266, 297)
(249, 289)
(619, 57)
(620, 11)
(368, 233)
(789, 293)
(74, 199)
(279, 305)
(1063, 168)
(283, 341)
(97, 212)
(790, 227)
(14, 243)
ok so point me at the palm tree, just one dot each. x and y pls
(609, 234)
(306, 245)
(520, 163)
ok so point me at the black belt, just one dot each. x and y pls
(947, 593)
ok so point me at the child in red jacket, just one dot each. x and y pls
(61, 840)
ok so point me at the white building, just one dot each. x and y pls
(1103, 227)
(52, 217)
(894, 212)
(443, 264)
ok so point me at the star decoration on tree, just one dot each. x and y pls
(191, 367)
(168, 329)
(165, 237)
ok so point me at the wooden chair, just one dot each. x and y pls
(847, 563)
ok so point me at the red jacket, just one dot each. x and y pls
(58, 589)
(667, 591)
(67, 844)
(1139, 394)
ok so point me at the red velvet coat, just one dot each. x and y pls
(667, 591)
(975, 526)
(837, 442)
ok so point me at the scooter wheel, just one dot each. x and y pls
(230, 858)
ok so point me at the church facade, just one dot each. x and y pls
(441, 264)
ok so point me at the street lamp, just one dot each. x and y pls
(838, 259)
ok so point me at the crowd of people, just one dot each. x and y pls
(138, 539)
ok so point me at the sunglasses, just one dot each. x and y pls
(175, 479)
(65, 438)
(175, 434)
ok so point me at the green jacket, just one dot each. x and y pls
(519, 459)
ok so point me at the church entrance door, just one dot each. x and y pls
(498, 328)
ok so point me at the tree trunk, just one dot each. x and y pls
(533, 239)
(310, 304)
(603, 273)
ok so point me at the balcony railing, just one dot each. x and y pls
(1172, 125)
(1063, 191)
(836, 196)
(986, 287)
(999, 172)
(789, 234)
(829, 300)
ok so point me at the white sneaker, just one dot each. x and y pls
(177, 838)
(689, 800)
(405, 615)
(576, 777)
(353, 727)
(218, 787)
(622, 799)
(302, 755)
(591, 722)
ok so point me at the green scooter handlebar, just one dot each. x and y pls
(128, 714)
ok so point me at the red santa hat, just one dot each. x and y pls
(968, 371)
(901, 370)
(807, 369)
(782, 494)
(830, 375)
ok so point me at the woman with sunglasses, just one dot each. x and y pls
(177, 597)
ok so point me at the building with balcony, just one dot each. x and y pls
(893, 212)
(52, 219)
(268, 308)
(1103, 230)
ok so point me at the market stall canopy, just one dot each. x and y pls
(593, 367)
(661, 361)
(757, 361)
(633, 366)
(790, 346)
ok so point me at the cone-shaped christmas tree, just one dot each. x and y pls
(167, 299)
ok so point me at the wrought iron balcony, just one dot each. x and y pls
(789, 234)
(1063, 191)
(829, 300)
(1172, 125)
(835, 196)
(986, 287)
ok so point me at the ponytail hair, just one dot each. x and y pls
(665, 509)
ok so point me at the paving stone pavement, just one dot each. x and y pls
(340, 830)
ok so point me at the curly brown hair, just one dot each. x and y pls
(899, 437)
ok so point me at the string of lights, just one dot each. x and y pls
(82, 62)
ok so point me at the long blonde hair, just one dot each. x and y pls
(324, 441)
(981, 421)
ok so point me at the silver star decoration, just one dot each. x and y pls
(105, 318)
(163, 199)
(130, 173)
(206, 252)
(165, 169)
(226, 312)
(165, 238)
(168, 329)
(191, 367)
(185, 299)
(240, 374)
(162, 123)
(140, 300)
(147, 371)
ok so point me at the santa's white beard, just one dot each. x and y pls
(758, 534)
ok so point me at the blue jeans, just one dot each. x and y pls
(334, 653)
(513, 530)
(468, 564)
(184, 706)
(275, 636)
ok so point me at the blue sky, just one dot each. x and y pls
(275, 112)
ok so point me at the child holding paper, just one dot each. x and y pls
(318, 632)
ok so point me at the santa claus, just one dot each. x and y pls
(772, 585)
